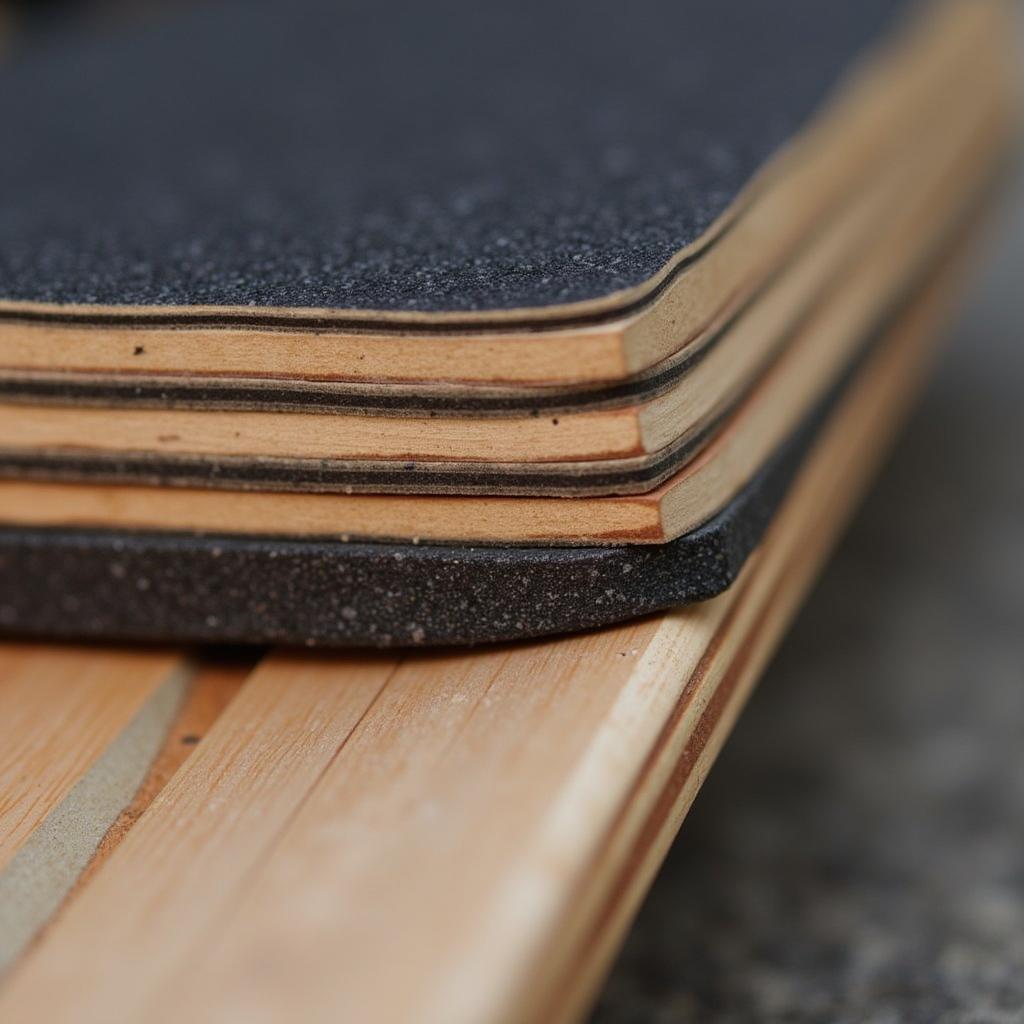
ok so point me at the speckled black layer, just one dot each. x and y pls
(411, 156)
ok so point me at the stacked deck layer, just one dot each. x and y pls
(557, 367)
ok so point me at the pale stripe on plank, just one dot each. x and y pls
(78, 730)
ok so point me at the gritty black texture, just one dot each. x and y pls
(437, 157)
(153, 586)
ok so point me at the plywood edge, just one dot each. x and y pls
(870, 299)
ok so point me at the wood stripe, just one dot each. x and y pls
(211, 690)
(78, 730)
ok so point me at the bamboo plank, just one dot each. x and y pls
(573, 437)
(477, 847)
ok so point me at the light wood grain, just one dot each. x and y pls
(78, 730)
(858, 130)
(473, 830)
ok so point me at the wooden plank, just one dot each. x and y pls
(180, 868)
(455, 837)
(78, 730)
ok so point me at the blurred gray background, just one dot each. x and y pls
(857, 854)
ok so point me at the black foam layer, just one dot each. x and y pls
(402, 156)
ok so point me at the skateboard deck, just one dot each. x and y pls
(338, 350)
